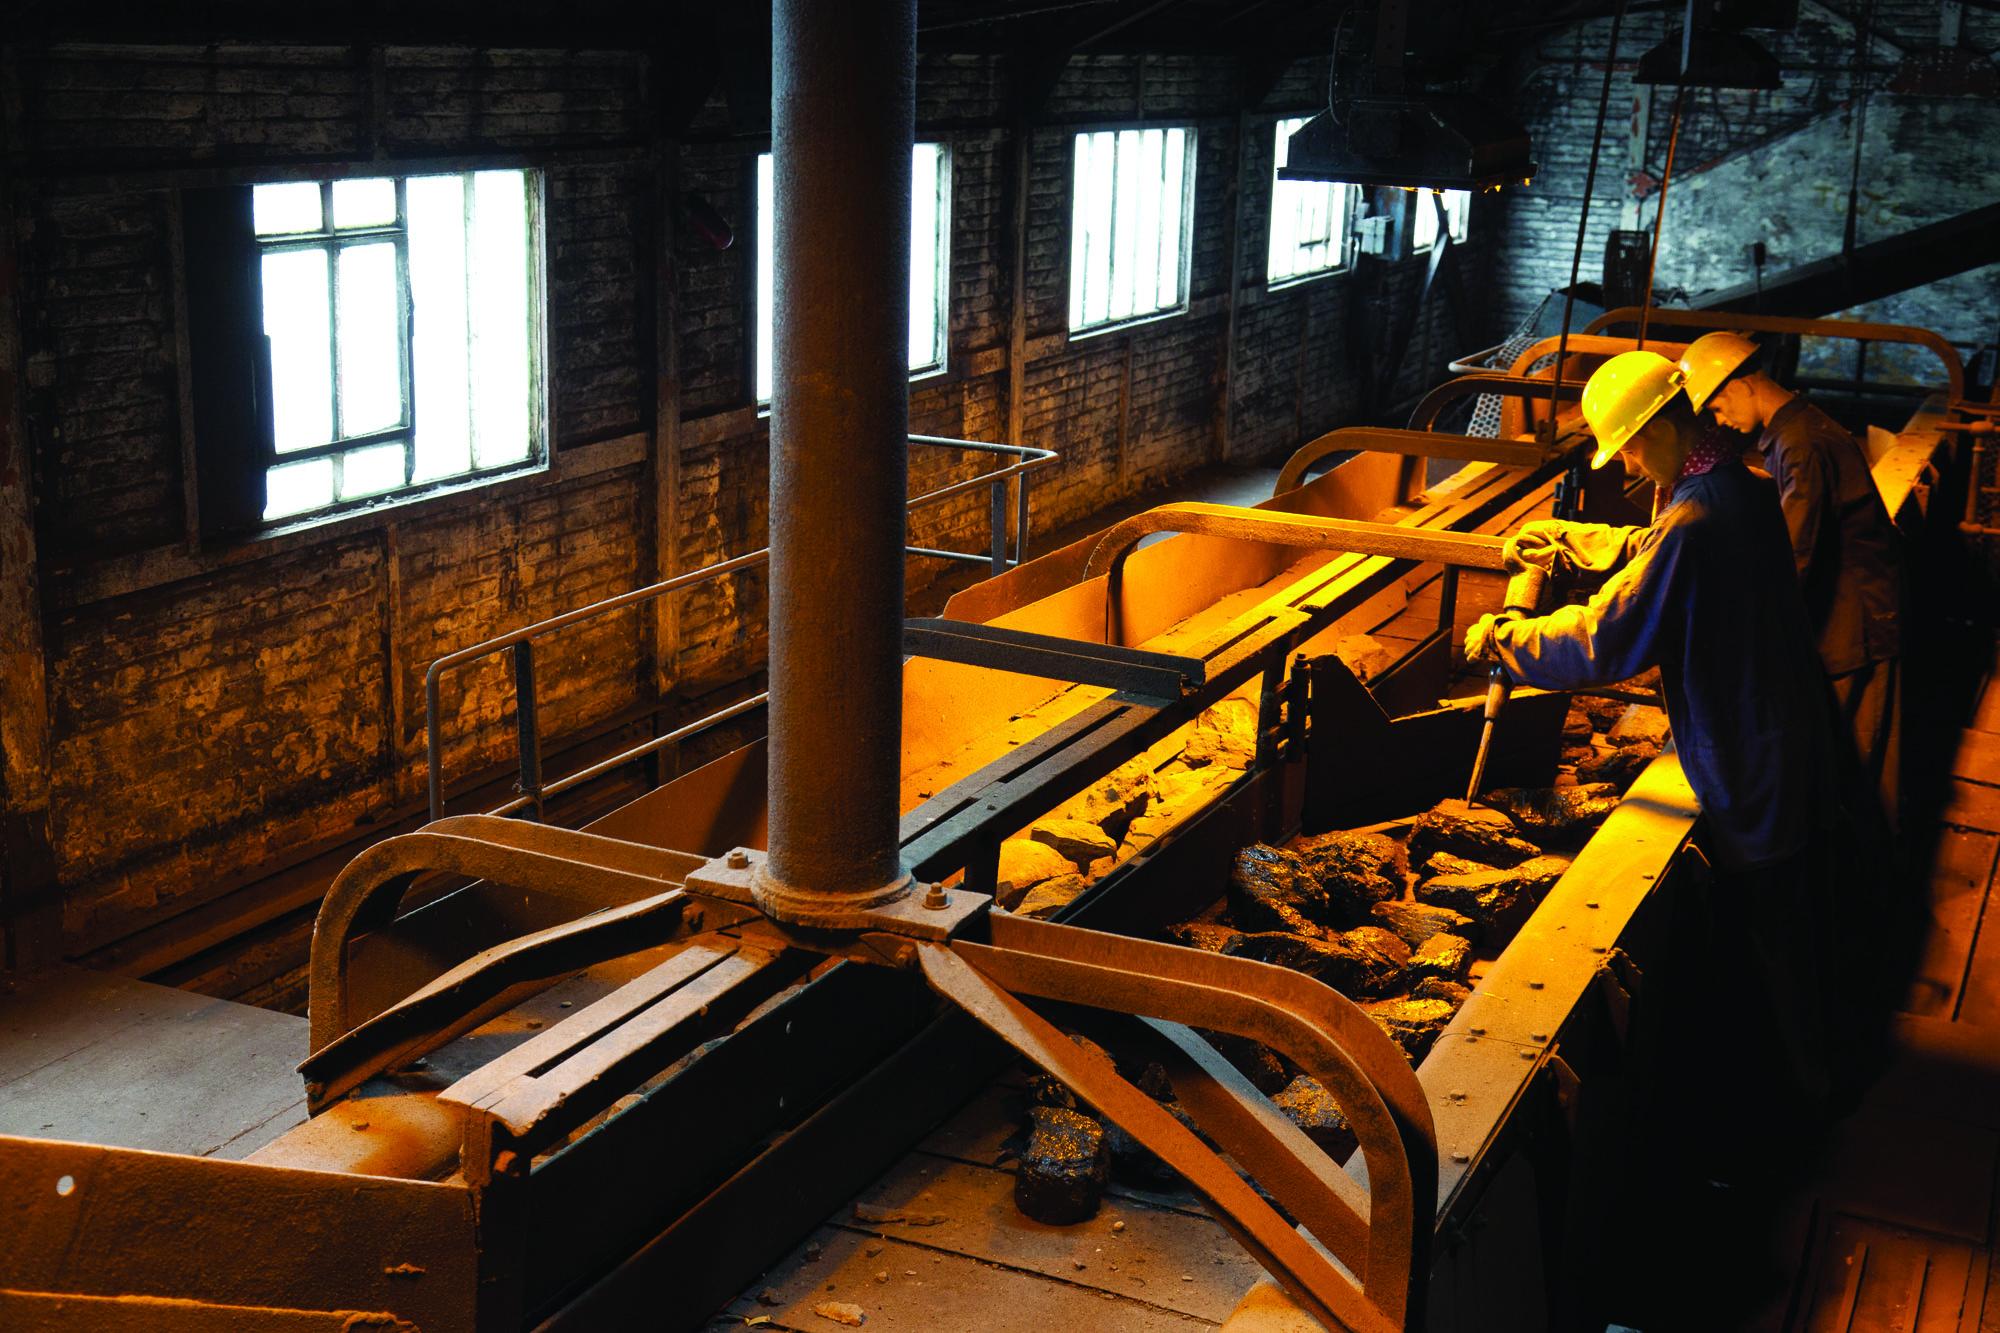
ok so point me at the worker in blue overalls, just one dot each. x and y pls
(1705, 593)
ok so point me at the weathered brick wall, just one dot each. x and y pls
(1751, 166)
(219, 716)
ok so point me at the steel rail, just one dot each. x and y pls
(534, 792)
(1410, 443)
(1854, 330)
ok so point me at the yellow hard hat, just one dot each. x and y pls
(1623, 395)
(1710, 360)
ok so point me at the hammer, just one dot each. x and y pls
(1524, 595)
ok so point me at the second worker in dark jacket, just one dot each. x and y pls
(1844, 547)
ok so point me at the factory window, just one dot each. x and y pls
(1309, 220)
(401, 318)
(930, 261)
(1423, 217)
(1130, 218)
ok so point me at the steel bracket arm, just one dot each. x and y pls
(1467, 550)
(1158, 675)
(1382, 1235)
(1409, 444)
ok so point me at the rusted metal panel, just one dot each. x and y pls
(99, 1221)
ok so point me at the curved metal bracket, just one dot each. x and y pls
(585, 868)
(1385, 1237)
(1485, 382)
(1855, 330)
(1470, 550)
(1411, 444)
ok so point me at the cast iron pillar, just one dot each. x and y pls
(843, 113)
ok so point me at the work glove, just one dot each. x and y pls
(1538, 543)
(1480, 643)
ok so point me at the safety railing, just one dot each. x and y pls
(519, 644)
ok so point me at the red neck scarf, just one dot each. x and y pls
(1715, 447)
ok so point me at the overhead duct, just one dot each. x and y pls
(1389, 135)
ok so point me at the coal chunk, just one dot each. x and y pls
(1312, 1108)
(1486, 836)
(1051, 896)
(1064, 1168)
(1640, 722)
(1578, 726)
(1444, 956)
(1557, 816)
(1620, 767)
(1413, 1024)
(1417, 922)
(1452, 993)
(1354, 870)
(1602, 712)
(1352, 967)
(1271, 889)
(1499, 900)
(1080, 842)
(1207, 936)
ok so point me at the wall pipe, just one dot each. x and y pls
(843, 113)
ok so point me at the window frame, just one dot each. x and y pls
(761, 333)
(1349, 232)
(540, 425)
(1185, 280)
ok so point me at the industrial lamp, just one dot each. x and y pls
(1708, 52)
(1387, 134)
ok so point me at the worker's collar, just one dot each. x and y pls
(1781, 418)
(1717, 445)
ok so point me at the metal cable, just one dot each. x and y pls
(1660, 214)
(1583, 222)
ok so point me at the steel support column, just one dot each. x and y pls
(843, 111)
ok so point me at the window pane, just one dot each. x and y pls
(767, 271)
(371, 471)
(364, 203)
(298, 323)
(296, 487)
(499, 312)
(279, 210)
(1457, 211)
(1129, 215)
(371, 333)
(440, 360)
(925, 252)
(1423, 220)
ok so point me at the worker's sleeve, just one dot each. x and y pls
(1806, 493)
(1612, 637)
(1597, 548)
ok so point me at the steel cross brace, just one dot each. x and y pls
(1162, 676)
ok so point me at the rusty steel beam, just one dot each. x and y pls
(1409, 443)
(843, 109)
(1484, 382)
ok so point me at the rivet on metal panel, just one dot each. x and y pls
(1648, 874)
(1538, 1036)
(1592, 904)
(1461, 1157)
(1476, 1030)
(1534, 985)
(1527, 1055)
(1456, 1095)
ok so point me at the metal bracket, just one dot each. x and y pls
(926, 912)
(1161, 675)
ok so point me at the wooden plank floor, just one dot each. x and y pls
(1895, 1229)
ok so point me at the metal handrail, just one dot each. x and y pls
(1408, 443)
(519, 643)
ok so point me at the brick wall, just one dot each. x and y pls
(216, 717)
(1769, 166)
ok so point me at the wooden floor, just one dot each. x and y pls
(1892, 1226)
